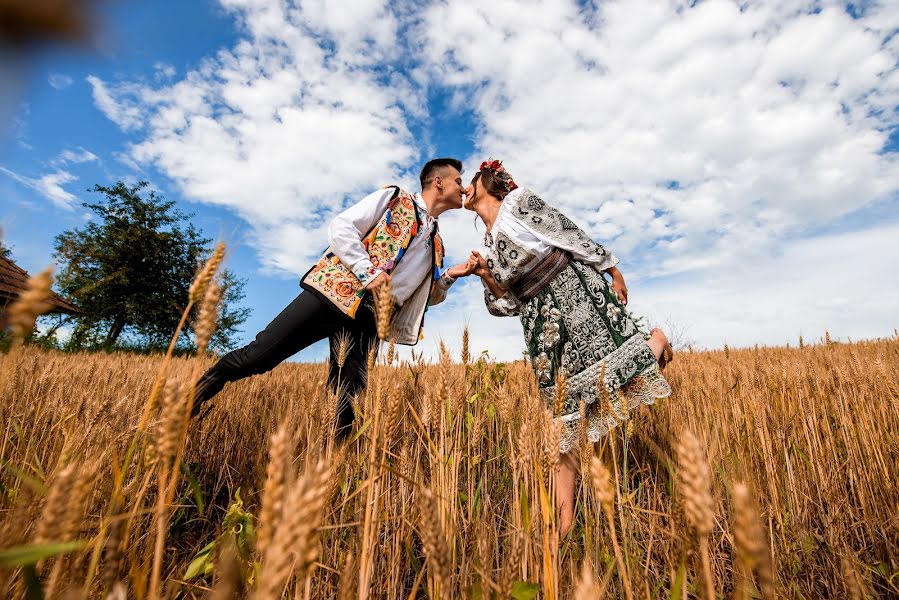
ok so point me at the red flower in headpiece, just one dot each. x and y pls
(497, 167)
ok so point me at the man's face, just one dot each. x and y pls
(449, 185)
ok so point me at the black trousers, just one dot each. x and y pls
(305, 321)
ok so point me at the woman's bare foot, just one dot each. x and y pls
(658, 343)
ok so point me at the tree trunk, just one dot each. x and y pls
(115, 331)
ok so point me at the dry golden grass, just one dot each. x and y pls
(445, 489)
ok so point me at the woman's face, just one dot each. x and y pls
(471, 195)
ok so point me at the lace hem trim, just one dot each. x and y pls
(646, 388)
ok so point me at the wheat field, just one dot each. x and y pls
(769, 472)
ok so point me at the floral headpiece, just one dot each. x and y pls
(500, 171)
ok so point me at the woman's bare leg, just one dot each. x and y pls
(657, 341)
(566, 475)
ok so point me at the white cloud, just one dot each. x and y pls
(59, 81)
(76, 157)
(49, 186)
(770, 120)
(833, 282)
(282, 127)
(126, 116)
(164, 70)
(696, 142)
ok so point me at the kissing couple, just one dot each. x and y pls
(535, 263)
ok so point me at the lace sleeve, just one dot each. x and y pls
(507, 306)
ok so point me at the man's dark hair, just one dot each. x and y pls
(429, 171)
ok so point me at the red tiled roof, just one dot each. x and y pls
(14, 280)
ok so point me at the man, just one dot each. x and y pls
(390, 237)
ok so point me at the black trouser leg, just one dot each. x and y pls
(353, 376)
(303, 322)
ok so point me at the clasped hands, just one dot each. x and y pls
(475, 265)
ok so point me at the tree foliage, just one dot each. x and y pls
(129, 269)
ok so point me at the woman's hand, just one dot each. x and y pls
(486, 276)
(480, 263)
(618, 285)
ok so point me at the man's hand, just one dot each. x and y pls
(462, 270)
(378, 281)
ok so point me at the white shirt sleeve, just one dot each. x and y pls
(346, 231)
(441, 287)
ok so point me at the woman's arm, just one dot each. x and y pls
(500, 301)
(487, 277)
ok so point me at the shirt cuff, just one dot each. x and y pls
(446, 279)
(366, 272)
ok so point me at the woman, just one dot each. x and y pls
(537, 264)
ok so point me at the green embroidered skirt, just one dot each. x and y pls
(576, 323)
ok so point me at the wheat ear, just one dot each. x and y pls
(276, 482)
(587, 587)
(434, 543)
(466, 356)
(294, 546)
(198, 285)
(695, 486)
(207, 316)
(383, 310)
(749, 544)
(30, 304)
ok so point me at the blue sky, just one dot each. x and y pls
(778, 123)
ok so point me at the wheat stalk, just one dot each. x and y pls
(695, 487)
(294, 546)
(605, 494)
(276, 484)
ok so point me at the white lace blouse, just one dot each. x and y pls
(526, 230)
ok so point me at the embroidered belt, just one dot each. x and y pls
(531, 283)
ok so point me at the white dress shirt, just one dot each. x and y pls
(347, 230)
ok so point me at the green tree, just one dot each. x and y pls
(129, 269)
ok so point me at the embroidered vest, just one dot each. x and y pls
(386, 243)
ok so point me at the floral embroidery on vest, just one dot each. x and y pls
(386, 243)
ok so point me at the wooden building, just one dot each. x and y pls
(14, 280)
